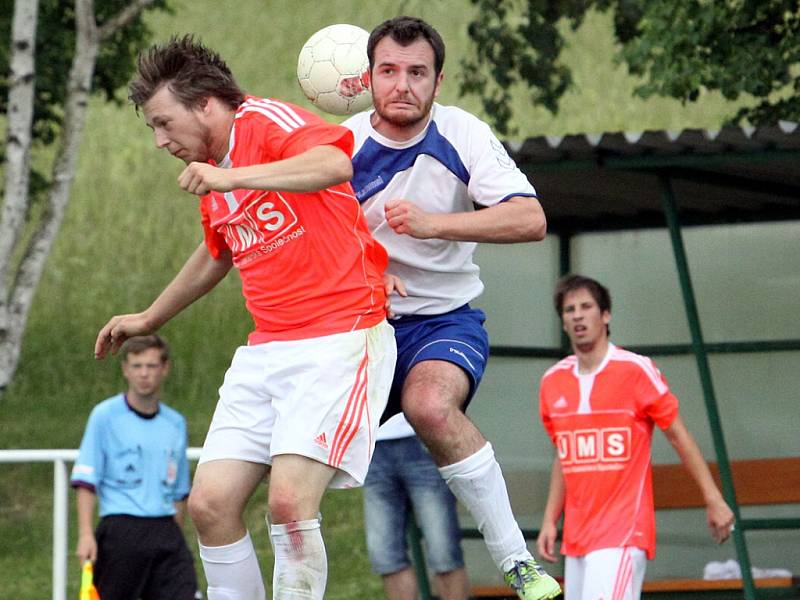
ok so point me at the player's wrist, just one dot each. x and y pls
(151, 320)
(437, 226)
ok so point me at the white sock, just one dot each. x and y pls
(232, 571)
(478, 483)
(301, 565)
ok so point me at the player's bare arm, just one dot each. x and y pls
(548, 533)
(197, 277)
(87, 544)
(180, 511)
(718, 514)
(518, 219)
(311, 171)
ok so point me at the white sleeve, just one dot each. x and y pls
(357, 124)
(493, 174)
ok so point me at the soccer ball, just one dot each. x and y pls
(333, 69)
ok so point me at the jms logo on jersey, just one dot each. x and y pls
(263, 216)
(589, 446)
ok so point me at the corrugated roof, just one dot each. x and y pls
(615, 180)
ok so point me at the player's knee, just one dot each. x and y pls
(428, 414)
(284, 505)
(205, 509)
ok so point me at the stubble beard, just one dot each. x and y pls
(403, 119)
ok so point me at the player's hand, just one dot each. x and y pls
(720, 520)
(407, 218)
(546, 542)
(87, 548)
(200, 178)
(118, 329)
(392, 283)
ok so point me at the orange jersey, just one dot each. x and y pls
(602, 426)
(308, 264)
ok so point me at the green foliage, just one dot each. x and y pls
(129, 228)
(55, 44)
(738, 47)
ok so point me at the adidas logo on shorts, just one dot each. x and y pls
(321, 441)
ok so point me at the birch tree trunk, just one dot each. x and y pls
(17, 290)
(17, 167)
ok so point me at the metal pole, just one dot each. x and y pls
(60, 508)
(698, 346)
(418, 558)
(564, 267)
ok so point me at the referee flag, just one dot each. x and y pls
(88, 591)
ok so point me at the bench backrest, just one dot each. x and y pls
(756, 481)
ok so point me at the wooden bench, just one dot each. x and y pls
(755, 483)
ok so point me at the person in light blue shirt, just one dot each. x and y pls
(132, 462)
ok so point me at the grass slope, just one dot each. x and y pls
(128, 230)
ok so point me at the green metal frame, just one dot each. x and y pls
(667, 169)
(414, 536)
(701, 357)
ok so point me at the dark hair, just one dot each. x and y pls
(192, 72)
(572, 283)
(140, 343)
(405, 31)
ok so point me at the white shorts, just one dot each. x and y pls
(607, 574)
(319, 397)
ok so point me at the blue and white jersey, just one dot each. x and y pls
(136, 464)
(456, 164)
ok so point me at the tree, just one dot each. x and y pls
(678, 47)
(80, 46)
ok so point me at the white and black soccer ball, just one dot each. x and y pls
(333, 69)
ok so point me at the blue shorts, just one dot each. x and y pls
(457, 337)
(403, 476)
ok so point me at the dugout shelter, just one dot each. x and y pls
(638, 197)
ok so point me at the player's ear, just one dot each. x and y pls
(439, 79)
(124, 367)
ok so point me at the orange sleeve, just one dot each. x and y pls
(215, 242)
(266, 140)
(655, 398)
(544, 413)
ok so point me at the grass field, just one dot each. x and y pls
(128, 230)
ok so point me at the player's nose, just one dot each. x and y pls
(161, 140)
(401, 83)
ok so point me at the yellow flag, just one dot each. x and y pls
(88, 591)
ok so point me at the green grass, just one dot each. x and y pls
(128, 230)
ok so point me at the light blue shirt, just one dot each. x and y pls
(136, 464)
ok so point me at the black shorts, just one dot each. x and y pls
(143, 558)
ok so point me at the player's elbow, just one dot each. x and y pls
(527, 222)
(535, 225)
(346, 170)
(339, 167)
(538, 228)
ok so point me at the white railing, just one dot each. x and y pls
(59, 458)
